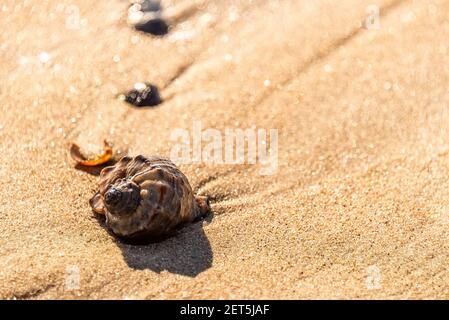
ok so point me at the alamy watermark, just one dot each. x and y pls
(72, 13)
(72, 278)
(373, 279)
(372, 21)
(231, 146)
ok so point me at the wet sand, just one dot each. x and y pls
(358, 208)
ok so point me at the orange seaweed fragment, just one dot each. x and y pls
(75, 153)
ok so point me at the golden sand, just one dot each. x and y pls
(359, 206)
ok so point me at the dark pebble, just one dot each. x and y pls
(156, 27)
(143, 95)
(149, 5)
(146, 16)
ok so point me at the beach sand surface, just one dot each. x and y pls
(358, 206)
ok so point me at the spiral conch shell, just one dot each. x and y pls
(145, 199)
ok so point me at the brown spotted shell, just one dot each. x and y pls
(145, 199)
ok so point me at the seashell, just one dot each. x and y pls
(143, 95)
(81, 159)
(145, 199)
